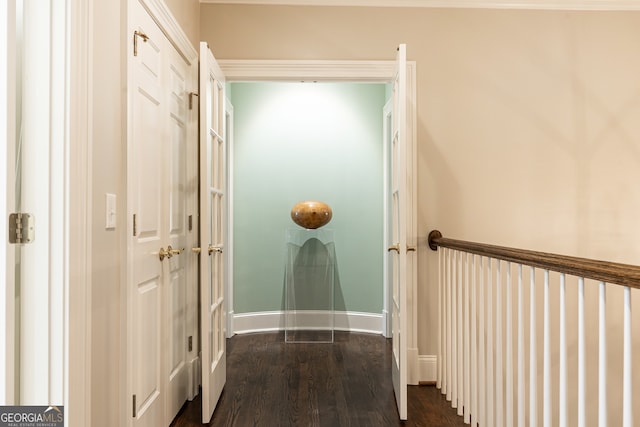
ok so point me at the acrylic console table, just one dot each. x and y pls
(309, 282)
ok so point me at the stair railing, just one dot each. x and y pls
(483, 368)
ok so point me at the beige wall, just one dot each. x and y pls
(528, 121)
(108, 177)
(108, 174)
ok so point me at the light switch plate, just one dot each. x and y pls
(110, 220)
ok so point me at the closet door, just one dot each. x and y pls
(147, 197)
(157, 329)
(175, 296)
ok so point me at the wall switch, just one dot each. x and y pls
(110, 222)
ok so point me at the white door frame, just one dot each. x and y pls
(7, 152)
(386, 143)
(75, 259)
(78, 293)
(340, 71)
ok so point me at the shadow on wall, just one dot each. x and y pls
(312, 280)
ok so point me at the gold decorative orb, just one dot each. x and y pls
(311, 214)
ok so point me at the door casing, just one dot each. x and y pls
(339, 71)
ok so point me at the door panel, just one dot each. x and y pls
(398, 251)
(213, 226)
(146, 182)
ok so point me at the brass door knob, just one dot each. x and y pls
(395, 247)
(162, 254)
(195, 250)
(216, 249)
(411, 248)
(173, 252)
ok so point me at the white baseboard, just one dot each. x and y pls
(413, 366)
(270, 321)
(428, 365)
(193, 369)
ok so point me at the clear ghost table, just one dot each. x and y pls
(309, 282)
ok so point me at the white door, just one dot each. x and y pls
(212, 230)
(146, 182)
(158, 192)
(398, 233)
(175, 296)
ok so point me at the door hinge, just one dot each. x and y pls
(190, 343)
(134, 406)
(135, 224)
(21, 228)
(137, 34)
(190, 222)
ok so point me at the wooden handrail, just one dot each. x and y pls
(609, 272)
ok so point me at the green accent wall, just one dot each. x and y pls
(307, 141)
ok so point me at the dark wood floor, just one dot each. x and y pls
(347, 383)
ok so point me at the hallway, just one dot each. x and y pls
(347, 383)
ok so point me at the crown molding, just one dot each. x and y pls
(468, 4)
(161, 14)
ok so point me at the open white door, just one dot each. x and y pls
(212, 230)
(398, 250)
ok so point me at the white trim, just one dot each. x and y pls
(458, 4)
(161, 14)
(386, 286)
(78, 187)
(427, 365)
(413, 366)
(228, 297)
(296, 70)
(7, 202)
(194, 375)
(270, 321)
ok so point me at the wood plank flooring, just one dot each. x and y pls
(347, 383)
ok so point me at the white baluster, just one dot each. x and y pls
(440, 322)
(509, 353)
(563, 354)
(582, 383)
(459, 334)
(546, 386)
(498, 372)
(521, 413)
(627, 374)
(490, 348)
(474, 345)
(454, 331)
(481, 359)
(448, 336)
(602, 358)
(467, 343)
(533, 353)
